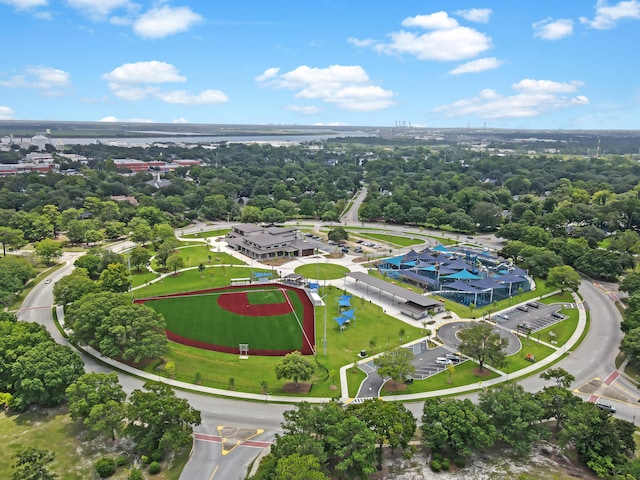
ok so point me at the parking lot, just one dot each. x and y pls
(531, 317)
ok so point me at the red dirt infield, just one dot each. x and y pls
(238, 303)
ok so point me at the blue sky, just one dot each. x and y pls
(561, 64)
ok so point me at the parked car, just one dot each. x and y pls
(358, 250)
(443, 361)
(534, 304)
(453, 357)
(607, 407)
(523, 308)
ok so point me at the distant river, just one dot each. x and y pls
(207, 139)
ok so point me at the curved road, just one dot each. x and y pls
(231, 433)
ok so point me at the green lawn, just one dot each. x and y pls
(142, 277)
(200, 318)
(529, 346)
(398, 241)
(322, 271)
(562, 331)
(53, 430)
(194, 280)
(208, 233)
(464, 374)
(194, 255)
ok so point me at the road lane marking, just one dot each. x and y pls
(215, 470)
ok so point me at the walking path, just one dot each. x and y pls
(388, 307)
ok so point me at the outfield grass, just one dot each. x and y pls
(53, 430)
(190, 280)
(322, 271)
(200, 318)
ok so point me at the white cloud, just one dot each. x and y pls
(49, 81)
(433, 21)
(144, 72)
(140, 80)
(111, 119)
(480, 15)
(180, 120)
(347, 87)
(207, 97)
(25, 4)
(550, 29)
(304, 109)
(164, 21)
(268, 74)
(479, 65)
(446, 40)
(533, 98)
(366, 42)
(528, 85)
(6, 113)
(101, 9)
(607, 16)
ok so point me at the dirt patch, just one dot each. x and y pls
(302, 388)
(546, 462)
(483, 373)
(393, 387)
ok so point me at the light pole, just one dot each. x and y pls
(324, 340)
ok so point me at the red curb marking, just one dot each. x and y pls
(613, 376)
(207, 438)
(592, 398)
(255, 443)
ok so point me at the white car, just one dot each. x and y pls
(48, 280)
(443, 361)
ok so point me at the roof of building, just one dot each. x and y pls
(388, 287)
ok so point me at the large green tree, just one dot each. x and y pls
(48, 249)
(87, 314)
(395, 364)
(296, 367)
(74, 286)
(98, 400)
(564, 278)
(133, 332)
(392, 422)
(11, 238)
(515, 414)
(115, 278)
(157, 419)
(481, 343)
(42, 374)
(456, 427)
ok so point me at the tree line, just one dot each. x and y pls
(337, 441)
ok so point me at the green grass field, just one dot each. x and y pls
(200, 318)
(322, 271)
(396, 240)
(194, 280)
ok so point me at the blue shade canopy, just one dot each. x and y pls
(464, 275)
(341, 320)
(349, 314)
(344, 303)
